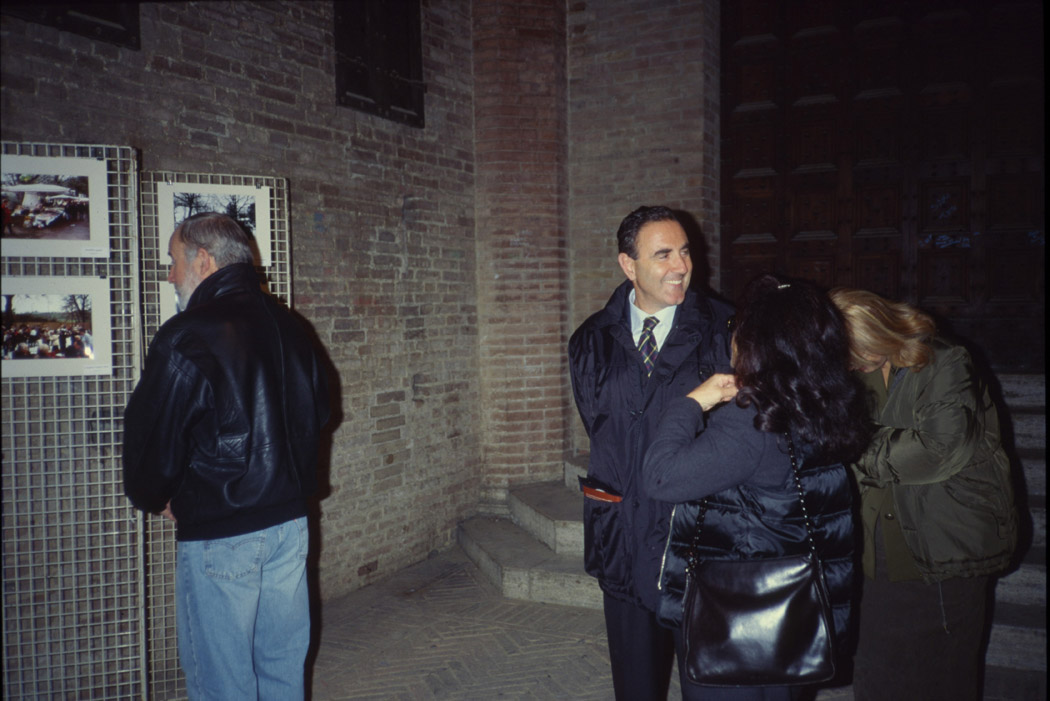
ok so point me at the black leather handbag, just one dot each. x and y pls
(758, 622)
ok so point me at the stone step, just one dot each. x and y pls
(1029, 429)
(1024, 586)
(1016, 656)
(1033, 467)
(1037, 511)
(1023, 390)
(574, 468)
(552, 513)
(522, 567)
(1018, 637)
(1009, 684)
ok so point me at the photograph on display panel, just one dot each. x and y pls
(247, 204)
(56, 326)
(54, 207)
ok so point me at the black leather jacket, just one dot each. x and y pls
(225, 421)
(620, 408)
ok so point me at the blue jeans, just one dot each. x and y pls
(243, 614)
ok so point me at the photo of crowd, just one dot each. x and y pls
(44, 326)
(37, 206)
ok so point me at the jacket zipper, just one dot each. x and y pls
(667, 546)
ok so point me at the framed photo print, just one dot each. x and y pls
(56, 326)
(54, 207)
(248, 205)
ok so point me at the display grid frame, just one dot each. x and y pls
(73, 614)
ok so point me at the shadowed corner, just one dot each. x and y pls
(324, 489)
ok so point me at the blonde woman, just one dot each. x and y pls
(937, 506)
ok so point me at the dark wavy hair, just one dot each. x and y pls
(792, 355)
(627, 234)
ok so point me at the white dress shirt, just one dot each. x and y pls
(660, 331)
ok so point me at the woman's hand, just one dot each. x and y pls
(715, 390)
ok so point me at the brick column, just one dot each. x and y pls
(519, 78)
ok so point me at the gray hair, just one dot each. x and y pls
(222, 237)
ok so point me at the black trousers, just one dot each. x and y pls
(641, 652)
(921, 641)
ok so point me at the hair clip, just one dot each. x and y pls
(785, 285)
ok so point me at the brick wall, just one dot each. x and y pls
(442, 269)
(519, 69)
(643, 129)
(382, 225)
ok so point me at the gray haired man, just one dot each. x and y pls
(221, 436)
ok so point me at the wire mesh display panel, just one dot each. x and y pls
(165, 677)
(73, 616)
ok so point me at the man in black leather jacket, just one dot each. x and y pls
(221, 436)
(620, 404)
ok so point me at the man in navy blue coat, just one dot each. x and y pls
(655, 340)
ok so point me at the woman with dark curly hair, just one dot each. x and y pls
(791, 362)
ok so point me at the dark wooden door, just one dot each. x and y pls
(892, 146)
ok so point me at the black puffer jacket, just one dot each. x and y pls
(753, 508)
(226, 419)
(620, 409)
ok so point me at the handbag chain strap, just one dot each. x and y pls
(801, 494)
(694, 550)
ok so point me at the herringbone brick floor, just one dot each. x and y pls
(438, 630)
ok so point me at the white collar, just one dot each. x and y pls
(665, 316)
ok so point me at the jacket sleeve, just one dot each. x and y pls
(157, 425)
(943, 434)
(582, 383)
(688, 461)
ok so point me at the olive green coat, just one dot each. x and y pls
(937, 448)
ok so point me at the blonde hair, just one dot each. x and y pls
(879, 327)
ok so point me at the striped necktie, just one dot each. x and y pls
(647, 344)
